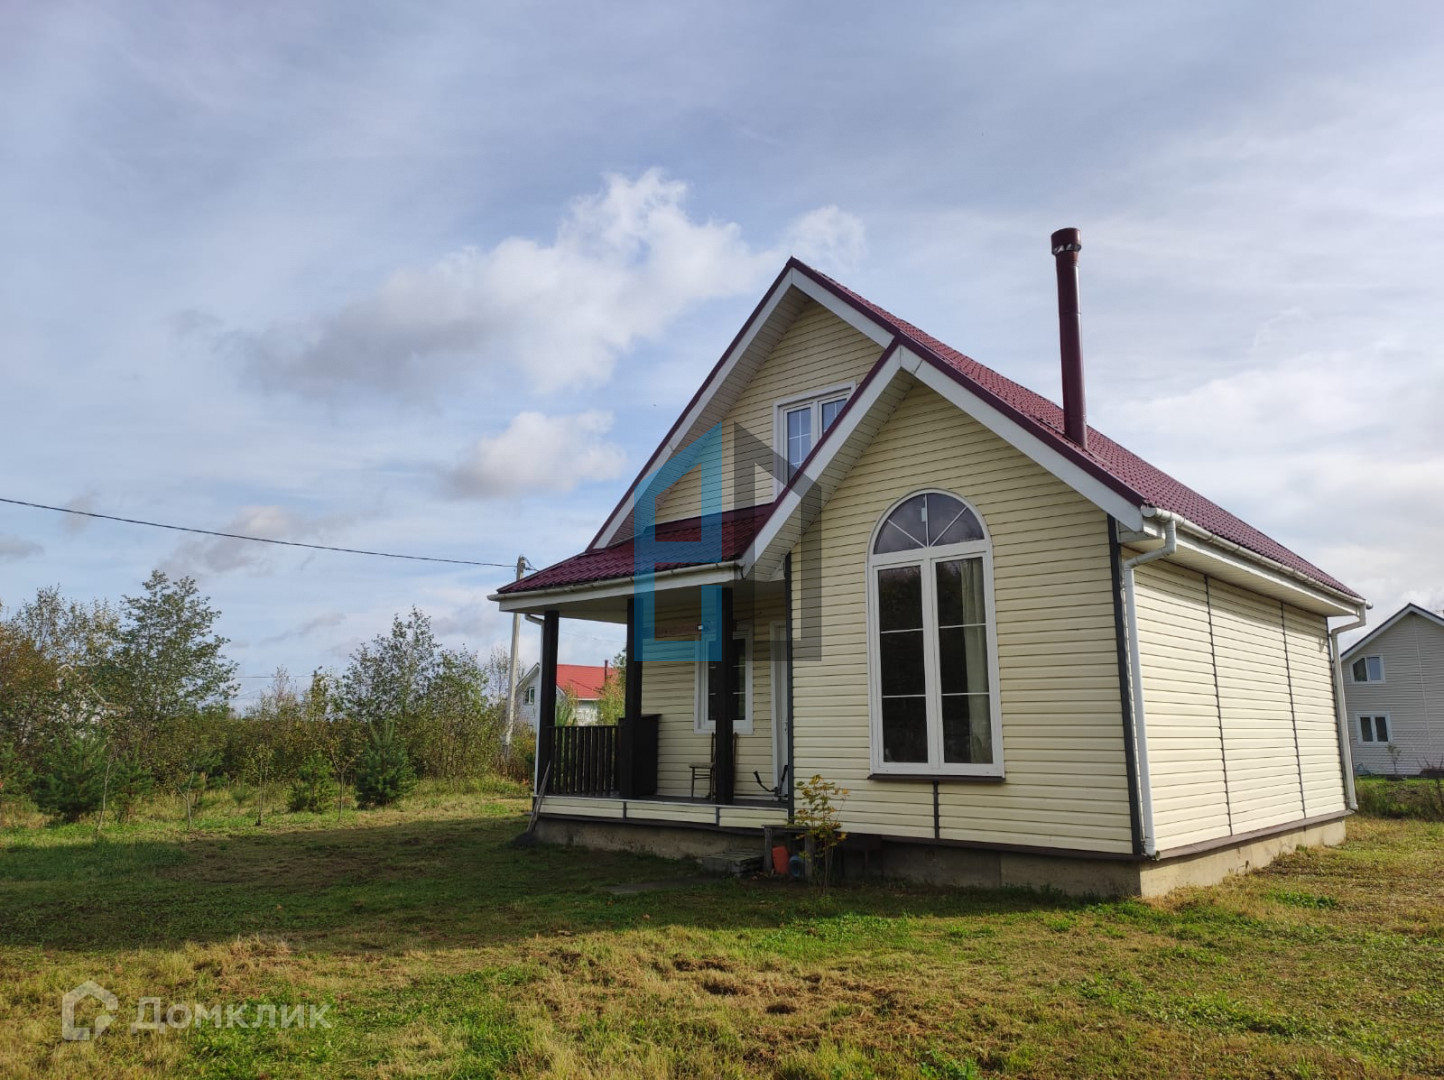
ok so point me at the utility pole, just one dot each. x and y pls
(511, 679)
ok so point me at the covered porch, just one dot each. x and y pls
(704, 736)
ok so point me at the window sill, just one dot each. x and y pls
(946, 778)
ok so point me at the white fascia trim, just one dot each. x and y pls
(1407, 609)
(793, 279)
(1211, 546)
(1129, 515)
(846, 426)
(681, 577)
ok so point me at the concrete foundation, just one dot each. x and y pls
(961, 867)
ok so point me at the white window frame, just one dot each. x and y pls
(927, 558)
(1374, 718)
(1367, 681)
(702, 723)
(528, 695)
(813, 398)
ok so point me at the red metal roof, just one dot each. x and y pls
(1129, 474)
(583, 680)
(1112, 464)
(618, 561)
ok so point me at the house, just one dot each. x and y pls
(583, 682)
(1029, 656)
(1394, 689)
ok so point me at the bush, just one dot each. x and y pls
(1421, 798)
(384, 773)
(313, 790)
(72, 777)
(16, 778)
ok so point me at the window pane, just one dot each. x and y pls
(1360, 671)
(960, 593)
(799, 437)
(1381, 729)
(905, 729)
(963, 659)
(905, 528)
(955, 528)
(1366, 729)
(900, 598)
(901, 656)
(1375, 666)
(939, 513)
(967, 729)
(830, 409)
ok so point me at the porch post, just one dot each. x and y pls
(724, 768)
(631, 710)
(546, 720)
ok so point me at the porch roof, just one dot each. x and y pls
(619, 560)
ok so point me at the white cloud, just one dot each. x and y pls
(13, 549)
(220, 555)
(624, 263)
(829, 239)
(539, 453)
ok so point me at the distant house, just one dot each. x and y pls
(1030, 656)
(582, 681)
(1394, 687)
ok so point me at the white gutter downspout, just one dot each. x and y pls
(1140, 727)
(1341, 711)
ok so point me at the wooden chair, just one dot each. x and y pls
(707, 768)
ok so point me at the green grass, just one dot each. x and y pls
(439, 950)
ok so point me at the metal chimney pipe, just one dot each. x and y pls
(1066, 245)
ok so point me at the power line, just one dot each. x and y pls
(252, 539)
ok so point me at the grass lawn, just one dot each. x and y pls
(438, 950)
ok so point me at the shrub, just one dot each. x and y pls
(313, 790)
(384, 773)
(15, 777)
(72, 777)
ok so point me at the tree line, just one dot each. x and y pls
(103, 704)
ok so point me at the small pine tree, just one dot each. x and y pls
(130, 781)
(384, 773)
(72, 777)
(313, 791)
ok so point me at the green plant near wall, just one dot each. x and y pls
(821, 826)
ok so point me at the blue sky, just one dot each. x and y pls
(436, 278)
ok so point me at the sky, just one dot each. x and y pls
(435, 279)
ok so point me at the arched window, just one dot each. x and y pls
(933, 659)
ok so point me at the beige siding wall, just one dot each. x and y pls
(1185, 740)
(669, 688)
(1239, 707)
(1412, 695)
(1258, 729)
(1066, 780)
(1315, 712)
(818, 351)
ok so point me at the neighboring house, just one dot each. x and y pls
(1394, 687)
(584, 682)
(1031, 657)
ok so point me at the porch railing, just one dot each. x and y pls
(584, 760)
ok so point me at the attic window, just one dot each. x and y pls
(933, 663)
(1369, 669)
(801, 422)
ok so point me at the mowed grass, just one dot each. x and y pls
(439, 950)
